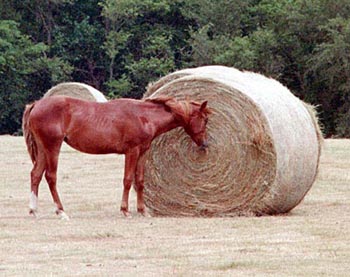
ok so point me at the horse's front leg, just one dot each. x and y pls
(139, 184)
(131, 158)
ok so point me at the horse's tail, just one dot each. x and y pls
(28, 135)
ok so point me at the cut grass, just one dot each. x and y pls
(313, 240)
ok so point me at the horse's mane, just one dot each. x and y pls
(182, 108)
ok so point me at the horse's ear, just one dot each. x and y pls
(203, 106)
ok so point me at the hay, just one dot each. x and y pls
(263, 155)
(77, 90)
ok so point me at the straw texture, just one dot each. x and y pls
(77, 90)
(263, 154)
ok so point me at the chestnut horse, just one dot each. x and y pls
(122, 126)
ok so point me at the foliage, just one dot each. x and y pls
(119, 46)
(23, 66)
(141, 42)
(330, 64)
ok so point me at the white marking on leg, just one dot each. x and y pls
(33, 203)
(62, 215)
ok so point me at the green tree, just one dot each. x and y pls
(24, 72)
(77, 38)
(38, 16)
(144, 41)
(330, 69)
(122, 45)
(214, 26)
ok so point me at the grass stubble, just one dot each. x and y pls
(312, 240)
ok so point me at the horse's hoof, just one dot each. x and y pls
(144, 213)
(33, 213)
(62, 215)
(126, 214)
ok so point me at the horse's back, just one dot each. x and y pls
(56, 107)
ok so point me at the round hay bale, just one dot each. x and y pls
(77, 90)
(264, 148)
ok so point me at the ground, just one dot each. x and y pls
(313, 240)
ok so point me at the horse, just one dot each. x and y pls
(121, 126)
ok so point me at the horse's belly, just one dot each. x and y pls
(92, 145)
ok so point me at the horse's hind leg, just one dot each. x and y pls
(35, 177)
(51, 178)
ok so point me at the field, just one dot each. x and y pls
(312, 240)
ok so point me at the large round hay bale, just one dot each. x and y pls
(264, 148)
(77, 90)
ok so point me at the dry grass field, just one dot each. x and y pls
(313, 240)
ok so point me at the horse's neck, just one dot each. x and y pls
(166, 121)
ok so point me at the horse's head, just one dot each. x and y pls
(191, 115)
(196, 124)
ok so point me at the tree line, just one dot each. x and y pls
(119, 46)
